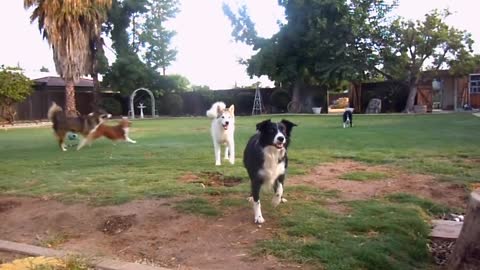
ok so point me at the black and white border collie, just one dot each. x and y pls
(348, 118)
(265, 158)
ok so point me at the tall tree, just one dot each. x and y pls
(68, 26)
(156, 38)
(120, 21)
(323, 41)
(127, 72)
(430, 44)
(99, 66)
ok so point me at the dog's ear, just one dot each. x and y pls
(262, 124)
(288, 125)
(219, 111)
(231, 109)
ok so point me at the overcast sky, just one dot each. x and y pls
(206, 53)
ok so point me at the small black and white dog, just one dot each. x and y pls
(265, 158)
(347, 118)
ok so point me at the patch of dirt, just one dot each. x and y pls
(214, 179)
(7, 205)
(117, 224)
(327, 176)
(151, 232)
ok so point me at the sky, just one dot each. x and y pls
(207, 54)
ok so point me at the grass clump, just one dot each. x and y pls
(197, 206)
(364, 176)
(374, 235)
(431, 208)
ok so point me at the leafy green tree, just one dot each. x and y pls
(69, 26)
(122, 18)
(428, 44)
(200, 87)
(156, 38)
(323, 42)
(128, 72)
(14, 87)
(175, 83)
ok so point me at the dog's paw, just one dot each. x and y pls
(218, 163)
(232, 161)
(259, 220)
(250, 199)
(284, 200)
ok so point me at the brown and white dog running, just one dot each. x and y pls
(114, 133)
(82, 124)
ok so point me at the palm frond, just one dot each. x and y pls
(69, 26)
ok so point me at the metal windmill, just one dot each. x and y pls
(257, 102)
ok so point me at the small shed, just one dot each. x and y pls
(52, 89)
(443, 90)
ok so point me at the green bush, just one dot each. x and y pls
(280, 99)
(173, 104)
(112, 105)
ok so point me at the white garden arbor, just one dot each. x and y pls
(132, 98)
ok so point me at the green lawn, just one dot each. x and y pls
(442, 145)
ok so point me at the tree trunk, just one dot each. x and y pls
(295, 106)
(297, 87)
(466, 254)
(412, 94)
(70, 105)
(96, 91)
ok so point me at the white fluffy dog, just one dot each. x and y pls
(223, 129)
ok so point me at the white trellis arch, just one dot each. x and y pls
(132, 96)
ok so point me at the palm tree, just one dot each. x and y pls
(69, 26)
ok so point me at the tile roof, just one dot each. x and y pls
(57, 81)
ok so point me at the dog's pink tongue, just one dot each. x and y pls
(225, 127)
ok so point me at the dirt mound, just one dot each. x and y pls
(328, 176)
(117, 224)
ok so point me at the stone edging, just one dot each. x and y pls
(100, 263)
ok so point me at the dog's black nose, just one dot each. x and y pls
(281, 139)
(226, 123)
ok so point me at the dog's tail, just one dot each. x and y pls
(53, 110)
(216, 107)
